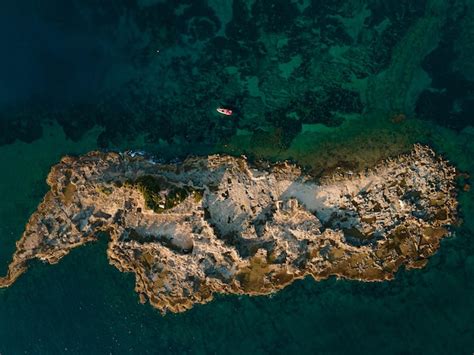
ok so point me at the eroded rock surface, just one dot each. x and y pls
(217, 224)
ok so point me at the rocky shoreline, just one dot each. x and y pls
(217, 224)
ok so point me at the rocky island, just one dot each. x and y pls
(220, 224)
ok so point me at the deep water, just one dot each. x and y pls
(323, 83)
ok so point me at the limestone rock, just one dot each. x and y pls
(218, 225)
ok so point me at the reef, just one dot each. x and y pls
(220, 224)
(278, 64)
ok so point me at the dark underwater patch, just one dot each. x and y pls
(450, 99)
(25, 130)
(399, 16)
(242, 26)
(274, 16)
(323, 107)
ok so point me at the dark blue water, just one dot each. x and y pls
(48, 53)
(325, 83)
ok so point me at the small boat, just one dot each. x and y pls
(224, 111)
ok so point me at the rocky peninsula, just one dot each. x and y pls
(220, 224)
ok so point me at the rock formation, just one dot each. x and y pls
(218, 224)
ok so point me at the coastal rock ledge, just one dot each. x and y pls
(218, 224)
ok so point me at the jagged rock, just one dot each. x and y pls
(217, 225)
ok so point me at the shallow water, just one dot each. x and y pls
(341, 84)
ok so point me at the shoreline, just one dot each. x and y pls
(281, 226)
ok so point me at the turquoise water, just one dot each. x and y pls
(323, 83)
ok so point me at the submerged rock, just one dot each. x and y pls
(218, 225)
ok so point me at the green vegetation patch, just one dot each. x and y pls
(106, 190)
(160, 195)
